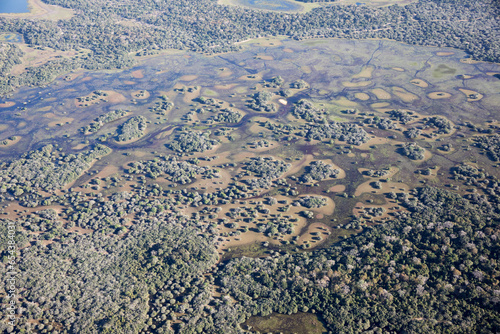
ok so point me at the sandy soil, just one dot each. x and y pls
(212, 185)
(404, 95)
(419, 83)
(390, 173)
(377, 141)
(427, 156)
(362, 96)
(356, 84)
(469, 61)
(225, 72)
(337, 188)
(72, 76)
(222, 158)
(60, 121)
(188, 77)
(251, 236)
(11, 142)
(255, 77)
(139, 154)
(271, 145)
(107, 171)
(313, 231)
(366, 72)
(380, 105)
(262, 41)
(389, 207)
(226, 86)
(165, 134)
(325, 210)
(14, 209)
(7, 104)
(47, 108)
(298, 165)
(47, 115)
(345, 102)
(207, 152)
(443, 53)
(433, 174)
(381, 94)
(140, 94)
(138, 74)
(471, 95)
(113, 97)
(79, 147)
(439, 95)
(384, 188)
(190, 96)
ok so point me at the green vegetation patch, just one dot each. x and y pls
(133, 128)
(174, 170)
(156, 264)
(193, 141)
(46, 169)
(104, 119)
(412, 151)
(490, 145)
(390, 278)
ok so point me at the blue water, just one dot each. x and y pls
(14, 6)
(11, 37)
(279, 5)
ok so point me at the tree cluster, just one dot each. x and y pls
(133, 128)
(319, 170)
(192, 141)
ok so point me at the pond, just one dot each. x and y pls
(11, 37)
(278, 5)
(14, 6)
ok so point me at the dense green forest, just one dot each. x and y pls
(431, 270)
(205, 26)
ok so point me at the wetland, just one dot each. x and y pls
(252, 162)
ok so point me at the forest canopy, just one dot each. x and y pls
(205, 26)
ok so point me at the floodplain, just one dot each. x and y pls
(249, 129)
